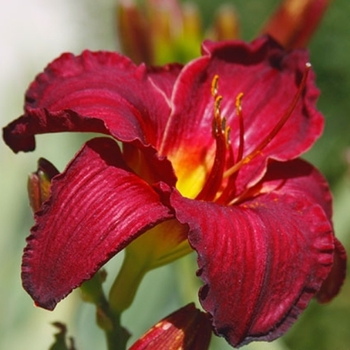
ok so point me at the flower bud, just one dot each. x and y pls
(226, 24)
(185, 329)
(159, 31)
(295, 21)
(39, 183)
(134, 32)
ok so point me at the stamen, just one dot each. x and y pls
(239, 113)
(217, 110)
(275, 130)
(220, 132)
(227, 131)
(230, 188)
(217, 122)
(215, 85)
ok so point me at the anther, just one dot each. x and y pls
(227, 135)
(217, 104)
(215, 85)
(239, 102)
(239, 113)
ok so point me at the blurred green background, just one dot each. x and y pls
(35, 32)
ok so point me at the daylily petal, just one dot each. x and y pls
(97, 91)
(269, 78)
(331, 286)
(261, 260)
(164, 77)
(318, 190)
(97, 206)
(294, 177)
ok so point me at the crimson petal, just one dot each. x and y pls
(262, 260)
(97, 206)
(164, 77)
(318, 189)
(294, 177)
(331, 286)
(97, 92)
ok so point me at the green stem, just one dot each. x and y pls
(116, 335)
(125, 286)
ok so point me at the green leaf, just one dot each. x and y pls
(60, 338)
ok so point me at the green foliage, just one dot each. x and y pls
(60, 338)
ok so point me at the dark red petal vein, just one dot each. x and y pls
(96, 208)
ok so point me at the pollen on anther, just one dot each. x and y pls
(217, 104)
(239, 102)
(227, 131)
(215, 85)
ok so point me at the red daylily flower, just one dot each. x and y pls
(196, 152)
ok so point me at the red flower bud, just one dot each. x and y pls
(39, 183)
(295, 21)
(186, 329)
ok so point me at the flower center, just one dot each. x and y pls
(220, 182)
